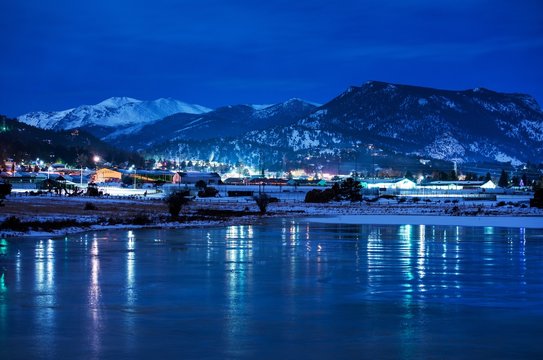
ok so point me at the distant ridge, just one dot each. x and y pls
(392, 120)
(112, 112)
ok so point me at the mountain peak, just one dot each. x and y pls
(117, 101)
(300, 101)
(112, 112)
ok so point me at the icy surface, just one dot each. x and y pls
(274, 290)
(502, 221)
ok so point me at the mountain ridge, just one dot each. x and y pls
(111, 112)
(473, 125)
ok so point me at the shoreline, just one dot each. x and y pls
(113, 213)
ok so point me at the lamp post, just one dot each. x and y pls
(96, 159)
(135, 169)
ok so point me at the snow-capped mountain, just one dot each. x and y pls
(469, 125)
(380, 119)
(386, 123)
(114, 112)
(228, 121)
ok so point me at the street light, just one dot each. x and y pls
(96, 159)
(134, 168)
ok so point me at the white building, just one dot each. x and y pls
(458, 185)
(388, 184)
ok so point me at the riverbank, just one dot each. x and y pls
(55, 215)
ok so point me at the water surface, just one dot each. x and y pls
(277, 289)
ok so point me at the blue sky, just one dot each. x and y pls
(63, 53)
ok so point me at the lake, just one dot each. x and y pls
(275, 289)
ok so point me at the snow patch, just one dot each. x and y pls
(118, 101)
(533, 128)
(504, 158)
(445, 147)
(260, 107)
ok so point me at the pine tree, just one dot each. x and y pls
(504, 179)
(453, 176)
(525, 179)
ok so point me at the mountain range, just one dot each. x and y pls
(110, 115)
(376, 122)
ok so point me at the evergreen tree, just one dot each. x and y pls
(453, 176)
(471, 176)
(409, 175)
(176, 201)
(524, 179)
(504, 179)
(487, 177)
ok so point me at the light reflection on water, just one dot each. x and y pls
(283, 289)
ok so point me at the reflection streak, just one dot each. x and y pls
(45, 298)
(238, 265)
(94, 300)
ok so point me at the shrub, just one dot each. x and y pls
(416, 199)
(349, 189)
(537, 200)
(319, 196)
(209, 191)
(388, 196)
(90, 206)
(141, 219)
(176, 201)
(455, 210)
(5, 189)
(500, 203)
(201, 184)
(92, 190)
(262, 200)
(13, 223)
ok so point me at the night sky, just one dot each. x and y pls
(63, 53)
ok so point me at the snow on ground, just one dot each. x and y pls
(515, 212)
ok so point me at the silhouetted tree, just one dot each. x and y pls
(524, 180)
(487, 177)
(504, 179)
(200, 184)
(453, 176)
(208, 191)
(5, 189)
(262, 201)
(469, 176)
(176, 201)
